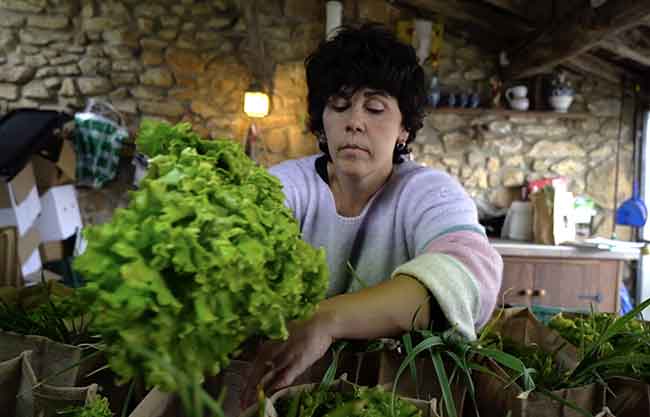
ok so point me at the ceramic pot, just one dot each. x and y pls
(519, 91)
(434, 92)
(520, 104)
(434, 98)
(560, 103)
(474, 100)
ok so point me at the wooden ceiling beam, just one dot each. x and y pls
(475, 13)
(580, 32)
(594, 66)
(536, 12)
(624, 51)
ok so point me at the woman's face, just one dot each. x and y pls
(362, 132)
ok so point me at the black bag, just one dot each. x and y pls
(24, 132)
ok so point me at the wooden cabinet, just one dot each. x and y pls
(561, 282)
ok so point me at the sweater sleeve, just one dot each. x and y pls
(463, 273)
(453, 257)
(287, 173)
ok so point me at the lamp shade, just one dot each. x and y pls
(256, 103)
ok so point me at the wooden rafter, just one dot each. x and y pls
(625, 51)
(474, 13)
(578, 33)
(536, 12)
(596, 67)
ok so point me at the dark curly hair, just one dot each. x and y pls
(368, 56)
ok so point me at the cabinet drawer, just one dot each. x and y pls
(517, 284)
(569, 283)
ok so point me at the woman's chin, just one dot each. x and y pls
(351, 167)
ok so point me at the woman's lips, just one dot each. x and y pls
(353, 148)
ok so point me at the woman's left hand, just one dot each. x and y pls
(278, 364)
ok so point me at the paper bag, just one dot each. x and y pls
(553, 216)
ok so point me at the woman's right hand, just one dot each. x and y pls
(278, 364)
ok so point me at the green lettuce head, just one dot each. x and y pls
(205, 256)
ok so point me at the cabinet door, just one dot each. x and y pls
(517, 283)
(577, 284)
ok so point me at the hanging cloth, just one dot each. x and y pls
(100, 132)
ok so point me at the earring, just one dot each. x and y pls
(401, 146)
(322, 138)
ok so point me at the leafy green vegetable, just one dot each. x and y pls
(48, 310)
(329, 402)
(97, 407)
(607, 345)
(205, 256)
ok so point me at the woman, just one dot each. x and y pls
(409, 232)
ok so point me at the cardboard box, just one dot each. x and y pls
(52, 251)
(60, 217)
(29, 257)
(9, 272)
(51, 174)
(19, 202)
(14, 191)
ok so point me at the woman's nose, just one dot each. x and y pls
(355, 121)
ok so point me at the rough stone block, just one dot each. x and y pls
(9, 91)
(549, 149)
(94, 85)
(158, 77)
(169, 109)
(30, 6)
(48, 21)
(36, 89)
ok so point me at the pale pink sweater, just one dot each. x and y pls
(420, 223)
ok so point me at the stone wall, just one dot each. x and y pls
(180, 61)
(189, 60)
(493, 154)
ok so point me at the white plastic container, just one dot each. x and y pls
(519, 222)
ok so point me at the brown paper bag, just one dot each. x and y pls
(426, 387)
(12, 381)
(631, 397)
(497, 397)
(361, 368)
(22, 396)
(521, 326)
(49, 400)
(553, 217)
(542, 219)
(158, 404)
(49, 359)
(93, 370)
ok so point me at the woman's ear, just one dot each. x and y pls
(403, 136)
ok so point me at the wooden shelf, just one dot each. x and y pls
(508, 113)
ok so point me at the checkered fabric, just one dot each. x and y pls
(98, 142)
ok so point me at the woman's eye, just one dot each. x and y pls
(375, 107)
(339, 104)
